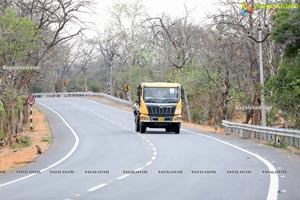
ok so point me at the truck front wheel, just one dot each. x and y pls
(137, 124)
(177, 128)
(142, 128)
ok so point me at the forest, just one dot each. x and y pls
(216, 61)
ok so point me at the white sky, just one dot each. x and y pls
(155, 8)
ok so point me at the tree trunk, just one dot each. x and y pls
(11, 122)
(225, 93)
(25, 114)
(20, 121)
(256, 112)
(85, 83)
(187, 107)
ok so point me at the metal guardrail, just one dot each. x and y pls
(289, 137)
(83, 94)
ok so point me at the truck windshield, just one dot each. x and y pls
(161, 95)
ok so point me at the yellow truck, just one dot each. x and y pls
(159, 105)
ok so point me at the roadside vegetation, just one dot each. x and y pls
(215, 61)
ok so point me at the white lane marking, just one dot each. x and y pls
(58, 162)
(149, 163)
(97, 187)
(122, 177)
(124, 127)
(274, 182)
(282, 176)
(139, 169)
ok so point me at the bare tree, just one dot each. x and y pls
(178, 40)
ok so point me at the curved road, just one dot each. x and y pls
(97, 155)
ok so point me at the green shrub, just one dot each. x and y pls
(25, 141)
(46, 139)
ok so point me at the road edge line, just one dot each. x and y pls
(56, 163)
(274, 180)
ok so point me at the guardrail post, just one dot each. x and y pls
(235, 132)
(241, 133)
(273, 137)
(266, 137)
(228, 130)
(269, 136)
(246, 136)
(260, 136)
(286, 141)
(297, 142)
(292, 143)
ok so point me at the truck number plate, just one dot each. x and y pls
(161, 119)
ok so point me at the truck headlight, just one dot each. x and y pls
(144, 119)
(177, 119)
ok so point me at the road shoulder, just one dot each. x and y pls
(12, 158)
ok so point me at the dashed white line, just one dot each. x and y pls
(122, 177)
(97, 187)
(124, 127)
(148, 163)
(139, 169)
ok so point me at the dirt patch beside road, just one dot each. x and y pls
(16, 156)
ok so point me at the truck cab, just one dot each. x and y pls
(159, 105)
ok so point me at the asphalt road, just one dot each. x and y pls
(96, 155)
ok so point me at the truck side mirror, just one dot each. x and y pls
(138, 93)
(182, 94)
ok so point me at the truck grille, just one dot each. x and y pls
(161, 110)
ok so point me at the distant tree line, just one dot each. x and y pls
(33, 34)
(216, 62)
